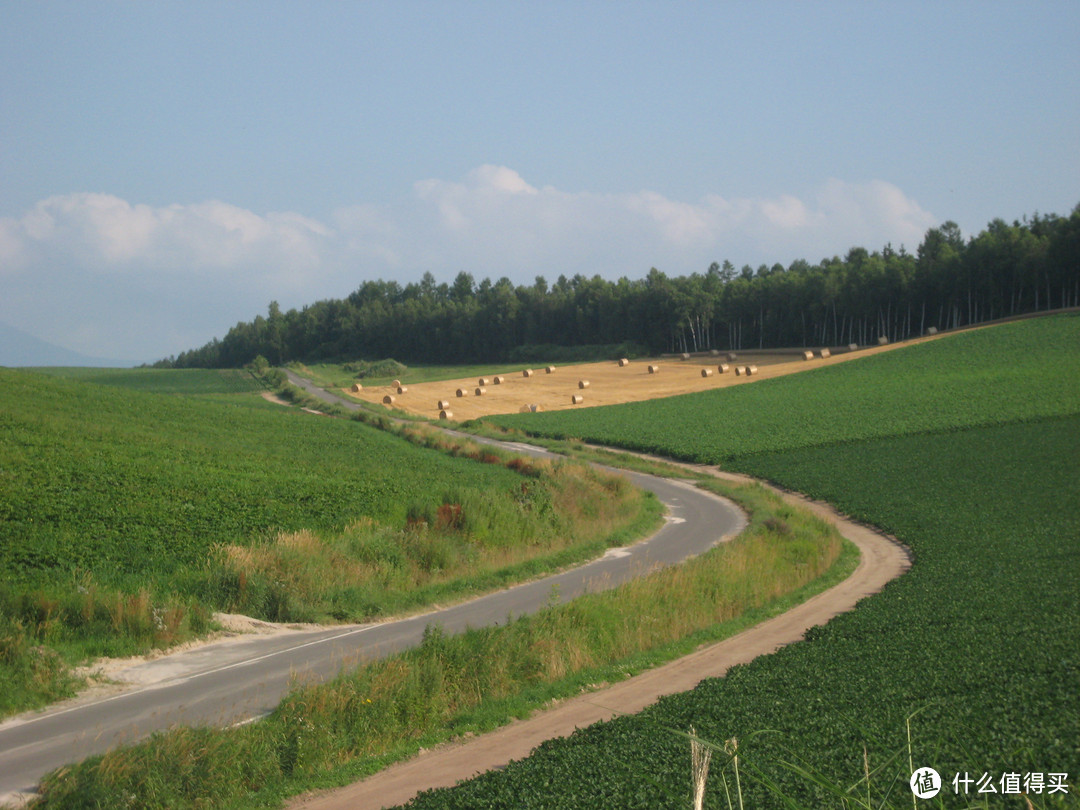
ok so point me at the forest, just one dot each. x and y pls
(1005, 270)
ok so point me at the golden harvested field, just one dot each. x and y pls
(609, 383)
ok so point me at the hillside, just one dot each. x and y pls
(129, 516)
(966, 664)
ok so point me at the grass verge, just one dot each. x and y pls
(386, 710)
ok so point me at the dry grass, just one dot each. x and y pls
(610, 383)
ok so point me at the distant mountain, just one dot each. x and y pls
(17, 348)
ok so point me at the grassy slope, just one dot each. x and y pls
(121, 483)
(978, 638)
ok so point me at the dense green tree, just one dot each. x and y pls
(1004, 270)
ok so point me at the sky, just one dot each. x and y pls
(167, 169)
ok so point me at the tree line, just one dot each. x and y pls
(1028, 266)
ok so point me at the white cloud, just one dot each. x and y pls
(100, 274)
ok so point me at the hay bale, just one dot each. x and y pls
(461, 392)
(739, 371)
(582, 383)
(527, 372)
(388, 400)
(401, 389)
(750, 370)
(499, 380)
(443, 404)
(685, 355)
(723, 368)
(356, 387)
(395, 384)
(445, 414)
(732, 357)
(623, 362)
(852, 347)
(576, 399)
(714, 352)
(654, 369)
(932, 330)
(530, 408)
(550, 369)
(480, 391)
(483, 381)
(807, 355)
(706, 372)
(882, 340)
(825, 353)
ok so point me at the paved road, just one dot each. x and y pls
(229, 683)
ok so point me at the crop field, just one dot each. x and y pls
(973, 649)
(609, 383)
(1015, 371)
(164, 381)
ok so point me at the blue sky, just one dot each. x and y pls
(168, 169)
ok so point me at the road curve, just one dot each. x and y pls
(882, 558)
(229, 683)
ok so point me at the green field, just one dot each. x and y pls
(1024, 370)
(163, 381)
(127, 517)
(975, 646)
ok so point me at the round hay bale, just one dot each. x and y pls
(576, 399)
(461, 392)
(932, 330)
(852, 347)
(401, 389)
(882, 340)
(624, 362)
(731, 356)
(582, 383)
(739, 371)
(499, 380)
(807, 355)
(395, 384)
(388, 400)
(527, 372)
(750, 370)
(480, 391)
(550, 369)
(706, 372)
(356, 387)
(445, 414)
(723, 368)
(483, 381)
(525, 409)
(654, 369)
(685, 355)
(825, 353)
(443, 404)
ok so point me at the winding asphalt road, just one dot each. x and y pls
(232, 682)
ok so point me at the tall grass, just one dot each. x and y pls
(453, 685)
